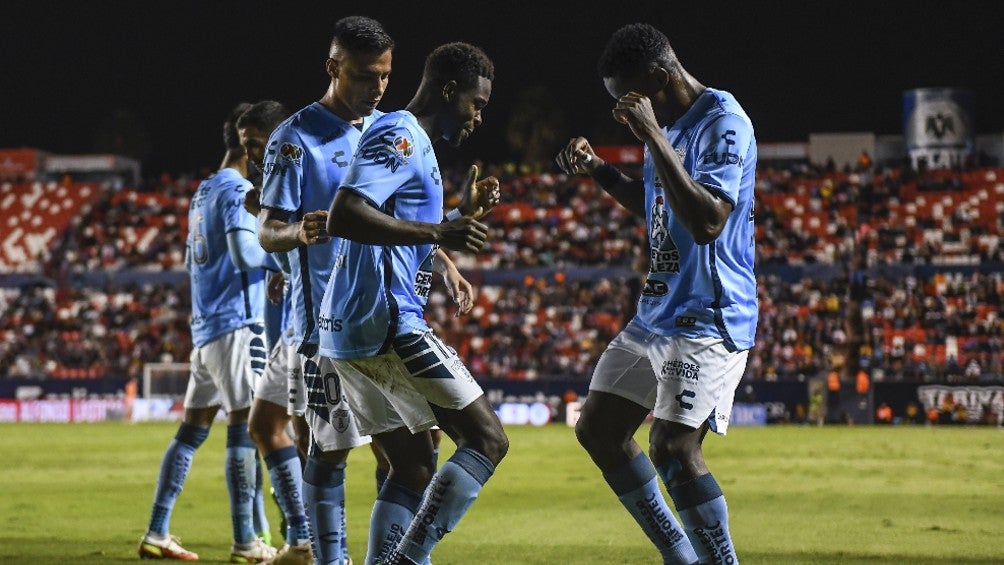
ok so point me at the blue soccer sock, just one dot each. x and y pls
(240, 473)
(393, 511)
(287, 476)
(174, 469)
(705, 518)
(636, 486)
(453, 489)
(324, 501)
(261, 525)
(381, 477)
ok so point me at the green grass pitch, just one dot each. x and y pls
(82, 493)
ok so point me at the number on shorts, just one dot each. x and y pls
(332, 388)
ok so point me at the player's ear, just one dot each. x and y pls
(660, 77)
(449, 90)
(331, 67)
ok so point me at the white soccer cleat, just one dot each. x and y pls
(255, 552)
(294, 555)
(170, 548)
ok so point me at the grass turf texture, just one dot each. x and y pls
(82, 493)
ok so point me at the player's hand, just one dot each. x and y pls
(465, 233)
(484, 194)
(578, 157)
(275, 284)
(635, 111)
(313, 228)
(460, 290)
(252, 201)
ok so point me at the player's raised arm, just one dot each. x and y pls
(352, 217)
(579, 157)
(484, 194)
(701, 211)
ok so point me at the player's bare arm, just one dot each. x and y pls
(458, 288)
(275, 233)
(484, 194)
(702, 212)
(578, 157)
(352, 217)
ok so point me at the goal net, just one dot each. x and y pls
(165, 380)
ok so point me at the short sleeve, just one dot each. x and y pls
(384, 163)
(231, 202)
(283, 174)
(722, 150)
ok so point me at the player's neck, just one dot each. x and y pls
(424, 108)
(235, 162)
(336, 107)
(683, 92)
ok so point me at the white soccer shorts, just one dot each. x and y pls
(682, 379)
(273, 384)
(225, 369)
(422, 370)
(333, 426)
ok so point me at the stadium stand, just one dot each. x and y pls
(559, 278)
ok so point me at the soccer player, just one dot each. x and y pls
(269, 419)
(389, 209)
(685, 351)
(226, 266)
(305, 160)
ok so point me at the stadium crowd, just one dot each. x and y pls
(932, 315)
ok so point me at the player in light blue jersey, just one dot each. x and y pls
(305, 160)
(685, 351)
(269, 422)
(226, 267)
(390, 212)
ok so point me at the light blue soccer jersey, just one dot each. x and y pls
(704, 290)
(306, 158)
(376, 293)
(224, 298)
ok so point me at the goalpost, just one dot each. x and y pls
(165, 380)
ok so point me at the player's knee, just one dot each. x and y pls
(495, 445)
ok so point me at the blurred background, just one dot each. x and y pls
(880, 194)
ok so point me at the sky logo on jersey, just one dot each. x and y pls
(404, 146)
(292, 153)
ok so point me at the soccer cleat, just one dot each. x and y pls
(255, 552)
(150, 548)
(266, 536)
(295, 555)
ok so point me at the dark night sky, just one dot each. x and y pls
(178, 67)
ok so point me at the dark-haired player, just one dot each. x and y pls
(685, 351)
(389, 209)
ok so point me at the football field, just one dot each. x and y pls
(81, 493)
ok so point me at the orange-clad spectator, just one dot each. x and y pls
(833, 382)
(933, 414)
(883, 414)
(863, 383)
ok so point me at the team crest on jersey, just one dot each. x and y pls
(292, 153)
(665, 255)
(340, 419)
(404, 146)
(681, 151)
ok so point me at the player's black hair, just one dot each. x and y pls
(230, 138)
(458, 61)
(264, 116)
(360, 34)
(636, 48)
